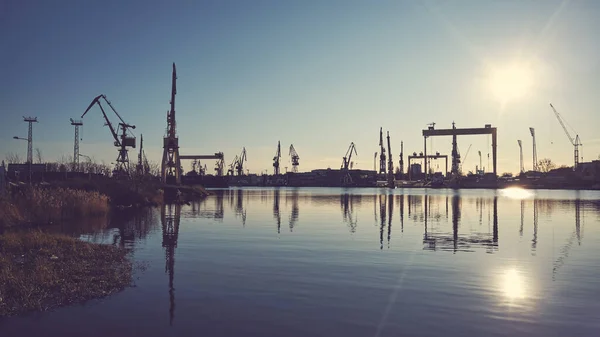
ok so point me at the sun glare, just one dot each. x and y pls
(516, 193)
(513, 285)
(511, 83)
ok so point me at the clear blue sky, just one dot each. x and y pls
(318, 74)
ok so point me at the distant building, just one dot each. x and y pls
(21, 171)
(589, 171)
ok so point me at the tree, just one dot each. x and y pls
(13, 158)
(38, 155)
(545, 165)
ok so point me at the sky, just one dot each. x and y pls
(315, 74)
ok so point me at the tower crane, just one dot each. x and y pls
(295, 159)
(575, 142)
(239, 167)
(535, 162)
(382, 153)
(122, 140)
(276, 159)
(520, 155)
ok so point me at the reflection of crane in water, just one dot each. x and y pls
(564, 252)
(391, 212)
(276, 213)
(239, 208)
(295, 210)
(433, 241)
(382, 212)
(346, 202)
(170, 217)
(535, 227)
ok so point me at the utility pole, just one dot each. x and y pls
(76, 124)
(30, 120)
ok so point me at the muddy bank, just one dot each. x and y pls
(40, 271)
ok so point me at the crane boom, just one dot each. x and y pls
(574, 141)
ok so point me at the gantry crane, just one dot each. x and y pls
(521, 169)
(575, 142)
(276, 159)
(346, 178)
(381, 153)
(295, 159)
(239, 166)
(535, 162)
(122, 140)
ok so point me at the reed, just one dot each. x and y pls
(47, 205)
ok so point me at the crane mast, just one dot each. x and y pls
(401, 160)
(575, 142)
(390, 176)
(382, 153)
(276, 159)
(240, 163)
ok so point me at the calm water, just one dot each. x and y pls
(349, 262)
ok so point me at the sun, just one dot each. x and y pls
(511, 82)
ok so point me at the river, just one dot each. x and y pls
(349, 262)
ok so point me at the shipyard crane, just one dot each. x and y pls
(401, 160)
(219, 167)
(295, 159)
(535, 162)
(520, 155)
(239, 167)
(480, 168)
(171, 164)
(346, 177)
(390, 177)
(276, 159)
(575, 142)
(122, 139)
(348, 156)
(232, 166)
(382, 153)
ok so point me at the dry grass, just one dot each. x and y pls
(40, 271)
(41, 206)
(9, 213)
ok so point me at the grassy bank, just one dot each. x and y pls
(40, 206)
(41, 271)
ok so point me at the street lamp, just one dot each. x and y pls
(19, 138)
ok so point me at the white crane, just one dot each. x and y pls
(520, 155)
(535, 163)
(576, 142)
